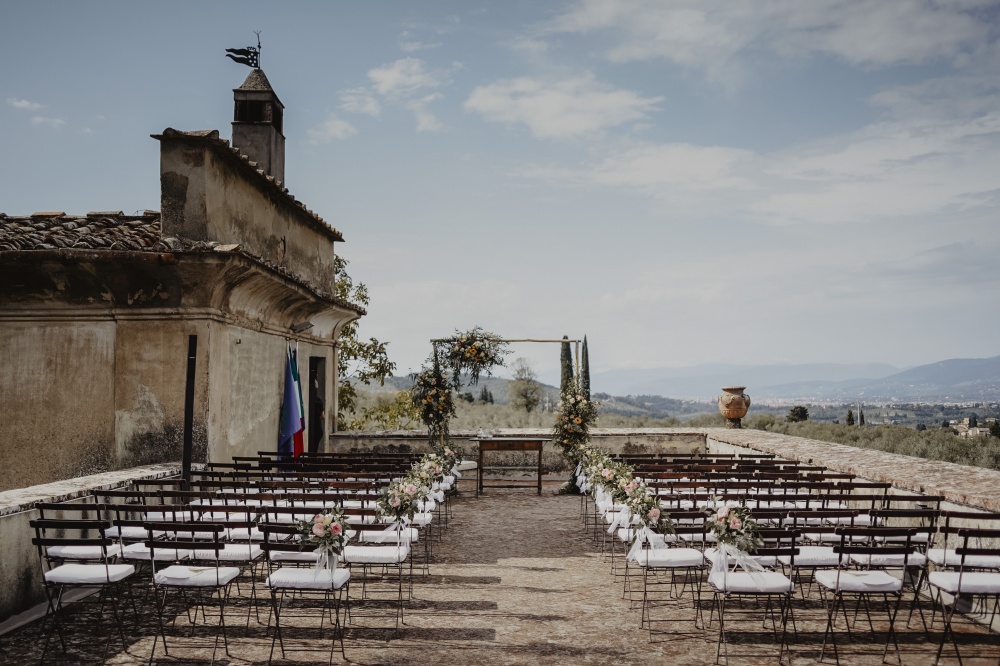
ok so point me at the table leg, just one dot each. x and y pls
(479, 474)
(539, 469)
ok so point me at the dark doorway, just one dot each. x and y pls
(317, 403)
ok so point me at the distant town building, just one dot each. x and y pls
(96, 310)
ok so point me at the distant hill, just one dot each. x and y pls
(694, 389)
(702, 382)
(954, 380)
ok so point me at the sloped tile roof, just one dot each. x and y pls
(115, 231)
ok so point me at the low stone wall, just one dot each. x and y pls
(20, 576)
(961, 485)
(615, 440)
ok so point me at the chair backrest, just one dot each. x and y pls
(876, 541)
(52, 535)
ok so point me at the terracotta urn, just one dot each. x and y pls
(733, 404)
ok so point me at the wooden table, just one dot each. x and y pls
(510, 444)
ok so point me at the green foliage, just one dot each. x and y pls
(861, 416)
(358, 361)
(574, 417)
(474, 352)
(995, 429)
(394, 411)
(524, 391)
(585, 370)
(797, 413)
(565, 365)
(485, 395)
(850, 417)
(431, 394)
(932, 444)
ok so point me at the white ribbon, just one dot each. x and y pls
(622, 519)
(326, 559)
(641, 536)
(720, 567)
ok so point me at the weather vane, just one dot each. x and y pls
(249, 56)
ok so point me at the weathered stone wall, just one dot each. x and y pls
(207, 194)
(615, 440)
(20, 572)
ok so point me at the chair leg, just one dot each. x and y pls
(722, 649)
(892, 627)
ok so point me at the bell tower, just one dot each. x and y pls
(257, 124)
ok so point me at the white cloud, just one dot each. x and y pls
(897, 171)
(360, 100)
(426, 121)
(564, 109)
(713, 36)
(406, 82)
(404, 77)
(333, 128)
(54, 123)
(412, 46)
(23, 104)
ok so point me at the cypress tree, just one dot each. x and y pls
(861, 416)
(850, 417)
(585, 371)
(566, 361)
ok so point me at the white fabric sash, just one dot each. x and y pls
(720, 567)
(641, 536)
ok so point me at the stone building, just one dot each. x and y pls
(96, 311)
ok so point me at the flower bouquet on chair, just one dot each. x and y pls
(400, 499)
(327, 532)
(648, 522)
(737, 535)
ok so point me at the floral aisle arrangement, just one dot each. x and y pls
(737, 535)
(648, 521)
(473, 353)
(736, 527)
(431, 394)
(327, 532)
(574, 416)
(400, 500)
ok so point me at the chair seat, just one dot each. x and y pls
(767, 582)
(306, 556)
(950, 558)
(763, 560)
(830, 537)
(182, 576)
(410, 534)
(626, 534)
(669, 558)
(973, 582)
(422, 519)
(813, 556)
(83, 552)
(244, 534)
(291, 578)
(139, 551)
(467, 465)
(919, 537)
(131, 532)
(858, 581)
(231, 552)
(88, 574)
(376, 554)
(877, 560)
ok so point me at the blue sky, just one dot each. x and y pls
(684, 182)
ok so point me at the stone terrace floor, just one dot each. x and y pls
(517, 581)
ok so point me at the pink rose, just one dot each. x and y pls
(607, 473)
(394, 502)
(654, 514)
(723, 512)
(336, 529)
(318, 518)
(411, 489)
(735, 523)
(319, 529)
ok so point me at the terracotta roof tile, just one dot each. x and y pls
(114, 231)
